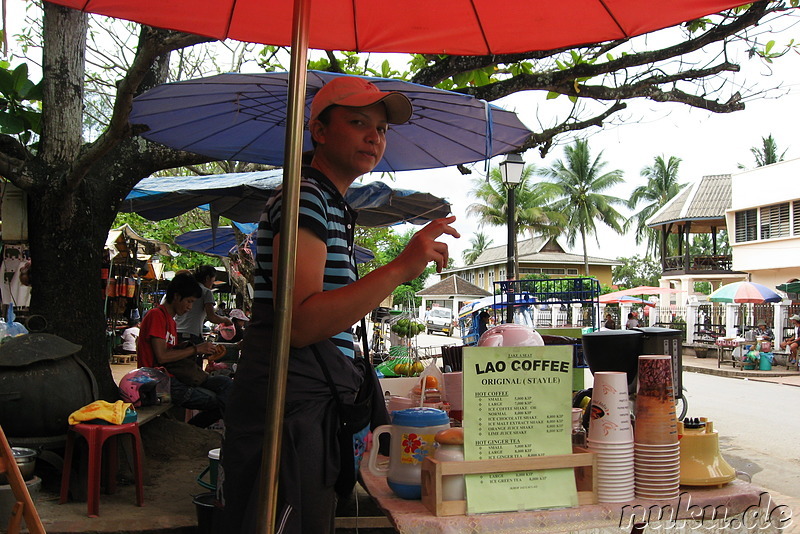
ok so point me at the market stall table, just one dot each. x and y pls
(695, 508)
(727, 347)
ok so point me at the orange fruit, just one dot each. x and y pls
(417, 368)
(431, 382)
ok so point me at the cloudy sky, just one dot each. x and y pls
(707, 143)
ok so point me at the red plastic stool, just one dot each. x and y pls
(96, 436)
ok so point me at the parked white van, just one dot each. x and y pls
(440, 319)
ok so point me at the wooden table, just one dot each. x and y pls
(733, 503)
(729, 346)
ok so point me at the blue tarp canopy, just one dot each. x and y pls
(241, 197)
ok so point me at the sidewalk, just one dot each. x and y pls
(778, 375)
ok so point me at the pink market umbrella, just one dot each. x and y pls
(477, 27)
(744, 292)
(616, 298)
(647, 290)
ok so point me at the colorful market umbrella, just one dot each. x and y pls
(242, 117)
(744, 292)
(241, 197)
(478, 27)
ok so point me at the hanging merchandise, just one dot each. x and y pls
(111, 288)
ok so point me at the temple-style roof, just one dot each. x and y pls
(534, 250)
(703, 203)
(453, 285)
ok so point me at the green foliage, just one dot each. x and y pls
(405, 294)
(378, 241)
(579, 182)
(662, 184)
(20, 104)
(636, 271)
(478, 244)
(703, 287)
(767, 153)
(703, 244)
(166, 231)
(531, 201)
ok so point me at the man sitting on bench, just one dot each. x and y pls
(792, 341)
(190, 386)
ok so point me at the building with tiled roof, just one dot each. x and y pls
(538, 255)
(452, 293)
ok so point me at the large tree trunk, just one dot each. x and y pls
(67, 234)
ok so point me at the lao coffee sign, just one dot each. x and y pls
(517, 404)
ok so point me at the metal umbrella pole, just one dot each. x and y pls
(290, 209)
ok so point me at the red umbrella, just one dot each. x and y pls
(456, 27)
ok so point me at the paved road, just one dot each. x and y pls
(757, 424)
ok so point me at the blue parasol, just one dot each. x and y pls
(242, 117)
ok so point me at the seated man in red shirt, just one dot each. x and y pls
(190, 386)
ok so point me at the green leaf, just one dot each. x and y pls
(610, 56)
(573, 99)
(6, 83)
(35, 93)
(462, 79)
(481, 78)
(32, 120)
(551, 95)
(11, 124)
(769, 47)
(20, 77)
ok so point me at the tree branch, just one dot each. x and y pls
(544, 139)
(153, 43)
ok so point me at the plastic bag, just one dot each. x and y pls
(13, 328)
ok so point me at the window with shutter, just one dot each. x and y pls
(775, 221)
(746, 225)
(796, 217)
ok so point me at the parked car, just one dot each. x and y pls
(440, 320)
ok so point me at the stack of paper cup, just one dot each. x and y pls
(657, 451)
(611, 437)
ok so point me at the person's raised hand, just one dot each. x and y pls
(424, 248)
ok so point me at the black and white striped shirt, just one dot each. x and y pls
(324, 211)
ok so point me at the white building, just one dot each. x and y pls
(764, 222)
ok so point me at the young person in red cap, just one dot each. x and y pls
(349, 121)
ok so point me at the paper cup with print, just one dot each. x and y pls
(656, 422)
(610, 418)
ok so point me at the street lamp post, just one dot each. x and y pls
(511, 170)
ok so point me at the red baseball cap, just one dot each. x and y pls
(355, 92)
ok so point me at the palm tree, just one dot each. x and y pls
(767, 153)
(580, 182)
(533, 214)
(662, 185)
(479, 243)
